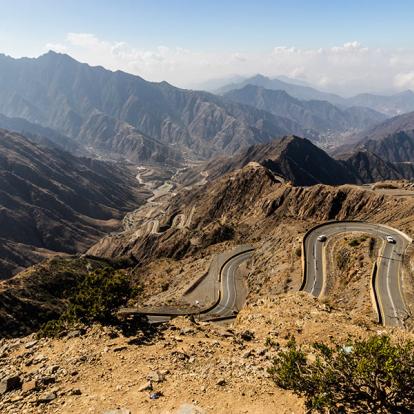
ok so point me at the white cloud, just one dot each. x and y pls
(349, 68)
(404, 80)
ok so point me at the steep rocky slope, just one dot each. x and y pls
(52, 201)
(368, 167)
(299, 161)
(294, 158)
(58, 92)
(320, 116)
(397, 147)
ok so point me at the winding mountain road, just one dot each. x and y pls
(227, 306)
(387, 279)
(229, 300)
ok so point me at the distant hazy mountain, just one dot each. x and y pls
(212, 85)
(51, 201)
(391, 105)
(320, 116)
(294, 90)
(129, 114)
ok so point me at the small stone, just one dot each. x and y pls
(155, 395)
(221, 382)
(39, 358)
(75, 391)
(16, 398)
(247, 335)
(187, 331)
(31, 344)
(30, 386)
(52, 369)
(156, 376)
(48, 379)
(147, 386)
(73, 334)
(247, 354)
(119, 348)
(10, 383)
(47, 398)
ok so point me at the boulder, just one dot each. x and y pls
(10, 383)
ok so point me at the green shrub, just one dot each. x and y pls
(94, 299)
(354, 242)
(366, 376)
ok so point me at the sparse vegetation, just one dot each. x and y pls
(373, 375)
(343, 259)
(94, 299)
(357, 241)
(354, 242)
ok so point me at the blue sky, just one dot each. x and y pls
(28, 25)
(206, 30)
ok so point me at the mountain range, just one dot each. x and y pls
(93, 111)
(118, 114)
(320, 116)
(390, 105)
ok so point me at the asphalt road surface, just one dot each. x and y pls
(228, 301)
(388, 288)
(228, 290)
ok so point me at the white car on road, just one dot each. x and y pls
(321, 238)
(390, 239)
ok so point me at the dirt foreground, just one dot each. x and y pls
(184, 368)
